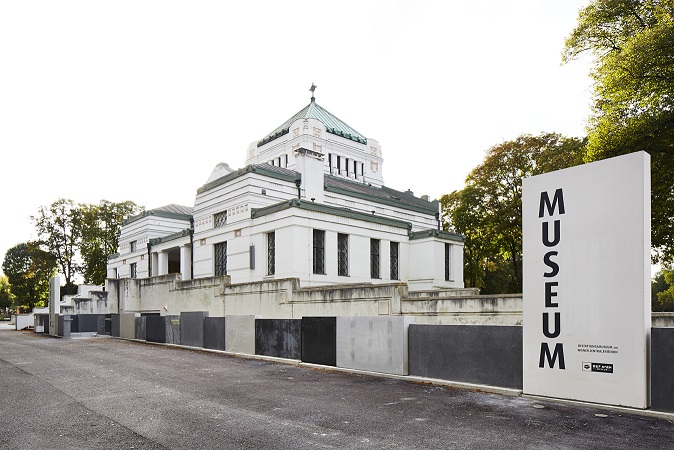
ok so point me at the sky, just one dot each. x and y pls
(139, 100)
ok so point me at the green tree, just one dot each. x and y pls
(632, 42)
(59, 228)
(100, 236)
(662, 288)
(28, 269)
(460, 213)
(6, 296)
(488, 211)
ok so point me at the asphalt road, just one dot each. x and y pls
(109, 393)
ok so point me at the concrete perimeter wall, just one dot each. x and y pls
(240, 334)
(476, 354)
(127, 325)
(377, 344)
(454, 335)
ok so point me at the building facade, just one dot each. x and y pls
(310, 204)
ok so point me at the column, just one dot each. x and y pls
(154, 265)
(185, 262)
(162, 263)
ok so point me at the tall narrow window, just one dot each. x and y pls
(447, 260)
(339, 164)
(133, 245)
(134, 270)
(220, 219)
(220, 258)
(394, 261)
(319, 251)
(362, 169)
(346, 165)
(286, 160)
(330, 163)
(342, 254)
(374, 258)
(355, 169)
(271, 253)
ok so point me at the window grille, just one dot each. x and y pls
(220, 258)
(319, 251)
(343, 254)
(271, 253)
(447, 254)
(134, 270)
(394, 261)
(374, 258)
(220, 219)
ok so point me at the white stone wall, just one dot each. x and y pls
(287, 299)
(141, 231)
(427, 264)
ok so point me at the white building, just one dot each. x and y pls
(311, 204)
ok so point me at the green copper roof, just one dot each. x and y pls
(336, 211)
(170, 237)
(440, 234)
(264, 169)
(170, 211)
(314, 111)
(383, 195)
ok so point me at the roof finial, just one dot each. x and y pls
(312, 89)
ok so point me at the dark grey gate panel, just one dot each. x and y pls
(319, 340)
(214, 333)
(278, 337)
(480, 354)
(662, 369)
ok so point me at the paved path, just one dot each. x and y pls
(109, 393)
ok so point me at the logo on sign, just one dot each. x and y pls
(597, 367)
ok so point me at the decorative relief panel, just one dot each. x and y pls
(318, 147)
(251, 153)
(296, 132)
(374, 167)
(296, 146)
(373, 151)
(317, 132)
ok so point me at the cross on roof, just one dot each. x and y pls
(312, 89)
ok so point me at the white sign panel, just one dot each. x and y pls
(586, 255)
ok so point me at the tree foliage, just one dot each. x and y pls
(81, 236)
(100, 236)
(59, 229)
(662, 291)
(488, 211)
(28, 269)
(633, 45)
(6, 296)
